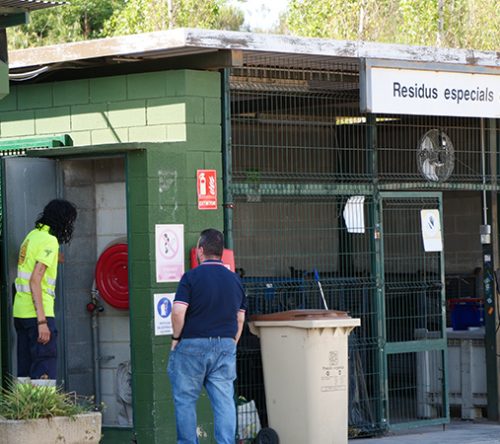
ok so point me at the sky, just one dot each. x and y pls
(261, 14)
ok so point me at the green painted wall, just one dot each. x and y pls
(161, 188)
(181, 109)
(147, 107)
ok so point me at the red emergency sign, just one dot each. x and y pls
(206, 185)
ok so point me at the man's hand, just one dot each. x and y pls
(178, 317)
(43, 334)
(241, 323)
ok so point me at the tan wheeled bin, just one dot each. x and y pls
(304, 356)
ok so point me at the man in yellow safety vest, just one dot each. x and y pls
(35, 290)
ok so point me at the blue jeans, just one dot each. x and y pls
(34, 359)
(209, 363)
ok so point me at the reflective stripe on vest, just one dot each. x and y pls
(27, 276)
(21, 288)
(39, 246)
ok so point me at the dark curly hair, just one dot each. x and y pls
(60, 216)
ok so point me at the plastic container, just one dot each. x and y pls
(44, 382)
(304, 356)
(466, 312)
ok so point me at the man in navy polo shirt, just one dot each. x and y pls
(207, 318)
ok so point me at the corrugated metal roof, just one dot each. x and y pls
(29, 5)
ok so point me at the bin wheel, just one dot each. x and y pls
(267, 435)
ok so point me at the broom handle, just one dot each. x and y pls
(316, 276)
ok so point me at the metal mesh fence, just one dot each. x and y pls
(300, 149)
(415, 386)
(412, 276)
(295, 132)
(285, 248)
(297, 119)
(404, 156)
(413, 312)
(297, 124)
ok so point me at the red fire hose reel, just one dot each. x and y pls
(111, 275)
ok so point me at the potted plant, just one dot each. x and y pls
(45, 415)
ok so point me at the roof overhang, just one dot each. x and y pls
(14, 6)
(15, 12)
(12, 13)
(90, 150)
(210, 49)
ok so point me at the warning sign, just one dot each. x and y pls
(206, 184)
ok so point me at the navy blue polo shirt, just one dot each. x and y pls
(214, 296)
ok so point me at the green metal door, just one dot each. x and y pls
(414, 312)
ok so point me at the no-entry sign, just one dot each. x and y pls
(206, 185)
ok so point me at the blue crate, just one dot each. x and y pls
(465, 314)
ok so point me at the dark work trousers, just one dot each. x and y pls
(34, 359)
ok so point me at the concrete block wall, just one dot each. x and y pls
(97, 187)
(164, 106)
(114, 324)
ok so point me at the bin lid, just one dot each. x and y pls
(304, 319)
(301, 315)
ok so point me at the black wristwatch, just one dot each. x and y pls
(176, 339)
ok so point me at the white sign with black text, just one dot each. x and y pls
(163, 304)
(426, 92)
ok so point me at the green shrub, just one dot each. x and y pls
(26, 401)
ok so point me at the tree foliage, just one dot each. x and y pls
(88, 19)
(155, 15)
(450, 23)
(83, 19)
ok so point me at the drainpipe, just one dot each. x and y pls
(94, 308)
(483, 173)
(227, 166)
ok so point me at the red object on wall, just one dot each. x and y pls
(206, 187)
(111, 276)
(227, 258)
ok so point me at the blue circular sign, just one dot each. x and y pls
(164, 307)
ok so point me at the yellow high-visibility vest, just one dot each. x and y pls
(38, 246)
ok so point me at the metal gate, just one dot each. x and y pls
(397, 358)
(415, 322)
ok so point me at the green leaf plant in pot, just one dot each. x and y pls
(45, 415)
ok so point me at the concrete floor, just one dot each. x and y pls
(457, 432)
